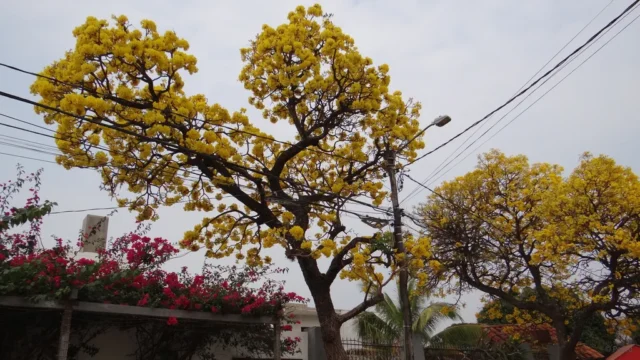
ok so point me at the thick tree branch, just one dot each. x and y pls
(338, 262)
(367, 303)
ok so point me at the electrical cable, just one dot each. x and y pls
(417, 190)
(96, 146)
(104, 96)
(29, 158)
(525, 90)
(26, 122)
(438, 168)
(17, 98)
(532, 104)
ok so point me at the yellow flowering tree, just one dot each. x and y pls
(119, 104)
(574, 241)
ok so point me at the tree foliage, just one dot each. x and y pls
(509, 225)
(119, 104)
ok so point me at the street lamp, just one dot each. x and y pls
(440, 121)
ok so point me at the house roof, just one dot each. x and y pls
(541, 334)
(623, 350)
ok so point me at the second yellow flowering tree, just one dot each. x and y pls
(574, 241)
(119, 104)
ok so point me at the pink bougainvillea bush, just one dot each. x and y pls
(129, 272)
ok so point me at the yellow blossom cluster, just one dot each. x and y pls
(119, 104)
(509, 225)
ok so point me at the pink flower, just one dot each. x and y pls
(172, 321)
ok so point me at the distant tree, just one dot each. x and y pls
(575, 241)
(596, 333)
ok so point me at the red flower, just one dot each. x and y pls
(172, 321)
(168, 293)
(286, 328)
(144, 300)
(214, 309)
(85, 262)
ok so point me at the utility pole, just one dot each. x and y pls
(390, 167)
(405, 305)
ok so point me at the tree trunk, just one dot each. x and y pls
(329, 320)
(567, 349)
(330, 327)
(568, 353)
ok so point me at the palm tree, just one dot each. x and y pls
(385, 325)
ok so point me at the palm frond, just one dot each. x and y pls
(433, 315)
(386, 323)
(371, 327)
(389, 311)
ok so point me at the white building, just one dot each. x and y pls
(116, 344)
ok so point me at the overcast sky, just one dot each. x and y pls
(457, 58)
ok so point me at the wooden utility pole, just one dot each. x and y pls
(390, 167)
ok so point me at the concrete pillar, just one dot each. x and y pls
(314, 344)
(418, 347)
(554, 351)
(527, 354)
(95, 228)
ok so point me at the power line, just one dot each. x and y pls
(29, 158)
(511, 110)
(379, 210)
(25, 147)
(179, 148)
(440, 166)
(104, 96)
(525, 90)
(237, 130)
(29, 142)
(417, 190)
(26, 122)
(536, 101)
(97, 147)
(57, 138)
(457, 206)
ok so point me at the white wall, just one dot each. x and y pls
(119, 344)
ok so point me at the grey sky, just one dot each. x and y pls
(458, 58)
